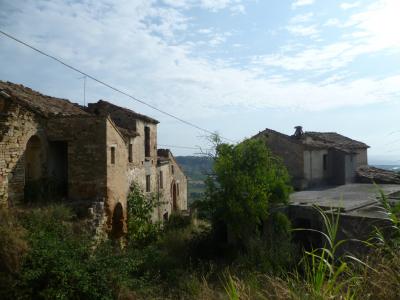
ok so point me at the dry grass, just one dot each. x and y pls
(13, 246)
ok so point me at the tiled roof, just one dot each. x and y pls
(321, 140)
(331, 140)
(110, 108)
(39, 103)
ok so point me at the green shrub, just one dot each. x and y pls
(177, 221)
(61, 264)
(141, 229)
(248, 180)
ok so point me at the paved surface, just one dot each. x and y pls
(351, 199)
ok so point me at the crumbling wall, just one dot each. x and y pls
(143, 166)
(17, 126)
(86, 140)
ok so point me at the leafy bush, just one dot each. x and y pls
(141, 229)
(177, 221)
(61, 264)
(248, 180)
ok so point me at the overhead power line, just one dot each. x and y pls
(185, 147)
(110, 86)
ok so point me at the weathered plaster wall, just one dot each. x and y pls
(17, 125)
(361, 157)
(313, 167)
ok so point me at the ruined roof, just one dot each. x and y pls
(163, 152)
(320, 140)
(39, 103)
(163, 155)
(110, 108)
(332, 140)
(128, 132)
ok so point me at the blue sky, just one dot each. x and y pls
(232, 66)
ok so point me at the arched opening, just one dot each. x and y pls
(174, 195)
(117, 229)
(33, 169)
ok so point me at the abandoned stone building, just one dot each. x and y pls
(52, 148)
(317, 158)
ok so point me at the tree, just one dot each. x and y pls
(247, 181)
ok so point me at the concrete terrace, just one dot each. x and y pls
(352, 199)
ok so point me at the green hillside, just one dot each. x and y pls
(196, 169)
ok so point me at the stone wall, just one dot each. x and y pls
(290, 152)
(142, 166)
(17, 126)
(86, 140)
(361, 157)
(165, 208)
(117, 180)
(181, 181)
(174, 184)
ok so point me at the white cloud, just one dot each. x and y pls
(349, 5)
(333, 22)
(238, 9)
(310, 31)
(370, 31)
(301, 18)
(212, 5)
(298, 3)
(102, 38)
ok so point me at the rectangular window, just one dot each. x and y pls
(147, 141)
(172, 169)
(130, 152)
(325, 161)
(147, 183)
(112, 155)
(177, 189)
(161, 180)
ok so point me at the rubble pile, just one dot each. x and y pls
(368, 174)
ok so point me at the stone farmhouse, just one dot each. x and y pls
(317, 158)
(52, 148)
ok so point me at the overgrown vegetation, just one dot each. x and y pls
(47, 254)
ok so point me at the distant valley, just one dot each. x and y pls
(196, 169)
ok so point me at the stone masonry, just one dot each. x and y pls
(53, 148)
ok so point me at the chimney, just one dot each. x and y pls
(299, 131)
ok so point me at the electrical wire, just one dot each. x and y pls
(112, 87)
(184, 147)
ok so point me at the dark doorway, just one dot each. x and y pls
(58, 169)
(165, 217)
(117, 230)
(173, 193)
